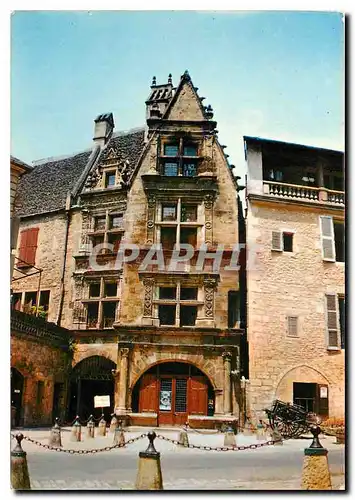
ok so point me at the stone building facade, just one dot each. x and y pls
(40, 362)
(162, 340)
(295, 277)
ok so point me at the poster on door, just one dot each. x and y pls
(165, 400)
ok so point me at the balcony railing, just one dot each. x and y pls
(308, 193)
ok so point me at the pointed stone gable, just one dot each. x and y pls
(186, 104)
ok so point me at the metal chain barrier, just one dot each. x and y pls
(81, 452)
(221, 448)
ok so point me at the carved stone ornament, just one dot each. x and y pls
(148, 296)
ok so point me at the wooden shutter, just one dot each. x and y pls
(332, 321)
(327, 237)
(197, 400)
(148, 393)
(276, 241)
(322, 400)
(32, 238)
(28, 247)
(292, 326)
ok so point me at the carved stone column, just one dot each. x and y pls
(208, 219)
(148, 301)
(209, 292)
(227, 358)
(123, 381)
(151, 219)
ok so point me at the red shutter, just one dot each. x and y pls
(22, 255)
(32, 238)
(197, 396)
(148, 393)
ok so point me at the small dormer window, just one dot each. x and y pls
(110, 179)
(190, 150)
(171, 149)
(180, 158)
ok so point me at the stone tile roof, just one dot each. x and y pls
(45, 188)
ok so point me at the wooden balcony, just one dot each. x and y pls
(304, 193)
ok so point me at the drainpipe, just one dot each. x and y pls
(67, 212)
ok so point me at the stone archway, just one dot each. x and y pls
(173, 390)
(92, 376)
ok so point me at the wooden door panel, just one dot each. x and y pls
(148, 394)
(197, 400)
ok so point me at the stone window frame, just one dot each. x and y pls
(107, 231)
(180, 158)
(206, 296)
(38, 299)
(277, 240)
(178, 224)
(100, 300)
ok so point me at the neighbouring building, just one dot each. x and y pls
(40, 351)
(165, 343)
(295, 276)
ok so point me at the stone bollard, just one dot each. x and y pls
(149, 475)
(113, 423)
(315, 472)
(118, 437)
(20, 479)
(101, 431)
(76, 430)
(90, 426)
(276, 436)
(55, 438)
(183, 438)
(229, 438)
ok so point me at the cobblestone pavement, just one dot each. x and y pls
(266, 468)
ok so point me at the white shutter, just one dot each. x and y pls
(276, 241)
(292, 326)
(327, 237)
(332, 321)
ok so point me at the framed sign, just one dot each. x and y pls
(101, 401)
(323, 392)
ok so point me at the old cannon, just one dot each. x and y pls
(289, 419)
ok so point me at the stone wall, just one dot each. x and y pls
(38, 362)
(282, 284)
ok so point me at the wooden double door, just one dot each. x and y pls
(173, 397)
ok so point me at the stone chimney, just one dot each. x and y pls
(104, 126)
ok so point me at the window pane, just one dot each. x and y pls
(190, 150)
(188, 235)
(171, 149)
(188, 294)
(94, 290)
(30, 302)
(288, 242)
(98, 240)
(167, 292)
(16, 301)
(93, 311)
(188, 213)
(116, 221)
(233, 308)
(189, 169)
(167, 315)
(110, 289)
(110, 179)
(44, 299)
(188, 315)
(170, 169)
(100, 223)
(168, 237)
(169, 212)
(115, 240)
(108, 313)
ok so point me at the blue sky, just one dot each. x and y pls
(278, 75)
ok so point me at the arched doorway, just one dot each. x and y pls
(17, 384)
(173, 390)
(91, 377)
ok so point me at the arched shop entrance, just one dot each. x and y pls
(17, 383)
(91, 377)
(173, 391)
